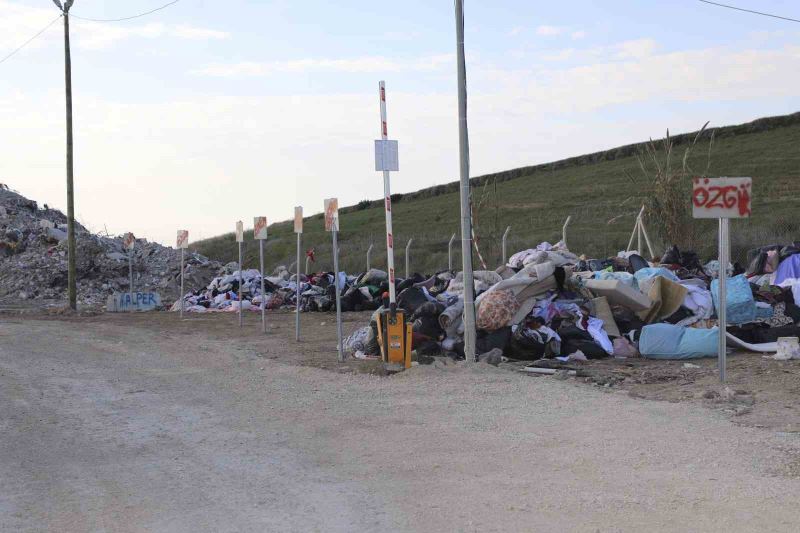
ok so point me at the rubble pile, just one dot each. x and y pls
(550, 306)
(33, 259)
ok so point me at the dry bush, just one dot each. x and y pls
(666, 190)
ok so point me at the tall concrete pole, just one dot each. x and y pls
(466, 213)
(71, 247)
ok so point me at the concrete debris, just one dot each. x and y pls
(33, 260)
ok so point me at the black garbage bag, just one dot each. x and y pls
(573, 339)
(488, 341)
(524, 348)
(596, 265)
(352, 300)
(672, 256)
(637, 263)
(429, 326)
(626, 319)
(691, 261)
(411, 299)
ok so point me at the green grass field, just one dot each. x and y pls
(595, 189)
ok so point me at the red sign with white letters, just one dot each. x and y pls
(722, 197)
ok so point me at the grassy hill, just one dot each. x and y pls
(601, 191)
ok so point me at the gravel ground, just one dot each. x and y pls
(152, 424)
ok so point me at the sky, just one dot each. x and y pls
(206, 113)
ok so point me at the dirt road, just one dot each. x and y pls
(151, 424)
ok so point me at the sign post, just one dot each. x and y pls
(260, 234)
(450, 253)
(505, 245)
(240, 240)
(128, 243)
(408, 257)
(394, 335)
(298, 229)
(369, 256)
(332, 225)
(723, 199)
(182, 245)
(386, 160)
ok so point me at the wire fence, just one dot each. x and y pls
(590, 234)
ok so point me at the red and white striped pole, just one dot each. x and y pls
(387, 202)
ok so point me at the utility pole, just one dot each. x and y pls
(71, 248)
(466, 211)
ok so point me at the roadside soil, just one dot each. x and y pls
(147, 422)
(762, 392)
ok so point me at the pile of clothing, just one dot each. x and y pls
(548, 302)
(315, 292)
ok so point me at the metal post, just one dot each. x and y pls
(722, 310)
(183, 293)
(241, 281)
(263, 294)
(646, 239)
(130, 274)
(297, 293)
(466, 213)
(505, 249)
(369, 255)
(450, 253)
(387, 194)
(408, 258)
(338, 295)
(564, 231)
(639, 247)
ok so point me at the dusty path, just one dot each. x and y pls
(108, 426)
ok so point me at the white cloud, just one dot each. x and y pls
(191, 32)
(549, 31)
(18, 23)
(97, 35)
(287, 150)
(352, 65)
(577, 35)
(636, 49)
(516, 30)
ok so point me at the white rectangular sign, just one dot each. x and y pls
(298, 220)
(386, 156)
(722, 197)
(240, 231)
(331, 214)
(183, 239)
(260, 228)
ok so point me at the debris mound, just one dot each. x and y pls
(33, 259)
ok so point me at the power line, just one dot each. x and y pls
(749, 11)
(128, 18)
(26, 43)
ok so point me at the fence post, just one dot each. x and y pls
(505, 250)
(369, 253)
(408, 257)
(450, 253)
(564, 231)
